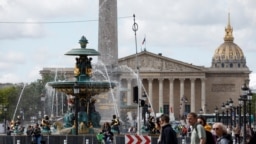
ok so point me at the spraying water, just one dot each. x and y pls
(18, 101)
(111, 91)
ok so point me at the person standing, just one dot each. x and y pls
(237, 133)
(36, 134)
(115, 124)
(221, 132)
(198, 135)
(210, 138)
(167, 134)
(106, 131)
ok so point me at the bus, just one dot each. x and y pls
(212, 118)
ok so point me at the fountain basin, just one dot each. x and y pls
(90, 88)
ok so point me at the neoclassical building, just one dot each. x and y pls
(178, 87)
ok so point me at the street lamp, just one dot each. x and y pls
(227, 108)
(43, 100)
(216, 111)
(184, 100)
(231, 111)
(5, 110)
(76, 93)
(223, 109)
(201, 111)
(249, 98)
(245, 90)
(240, 101)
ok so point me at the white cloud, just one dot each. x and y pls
(252, 80)
(171, 27)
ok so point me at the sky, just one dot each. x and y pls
(35, 34)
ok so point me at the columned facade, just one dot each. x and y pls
(172, 102)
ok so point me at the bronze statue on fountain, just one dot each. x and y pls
(16, 127)
(45, 125)
(82, 116)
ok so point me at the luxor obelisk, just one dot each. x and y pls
(107, 37)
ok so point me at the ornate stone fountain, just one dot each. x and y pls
(82, 115)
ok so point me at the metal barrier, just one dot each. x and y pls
(68, 139)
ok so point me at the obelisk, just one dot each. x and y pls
(107, 36)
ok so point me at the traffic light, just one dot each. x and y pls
(135, 94)
(142, 102)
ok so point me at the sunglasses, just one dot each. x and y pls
(215, 128)
(200, 122)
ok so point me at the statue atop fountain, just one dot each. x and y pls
(45, 125)
(82, 116)
(16, 127)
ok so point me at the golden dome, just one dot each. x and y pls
(228, 51)
(228, 54)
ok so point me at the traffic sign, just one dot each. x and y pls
(137, 139)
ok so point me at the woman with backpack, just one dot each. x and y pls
(210, 138)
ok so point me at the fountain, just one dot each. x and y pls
(82, 116)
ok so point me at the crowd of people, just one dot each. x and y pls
(199, 132)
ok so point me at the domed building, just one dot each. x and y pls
(177, 87)
(229, 55)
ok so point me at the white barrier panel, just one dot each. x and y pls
(135, 139)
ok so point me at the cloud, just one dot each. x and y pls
(252, 80)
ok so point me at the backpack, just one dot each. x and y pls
(228, 137)
(209, 137)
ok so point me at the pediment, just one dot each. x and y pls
(152, 62)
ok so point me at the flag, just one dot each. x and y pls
(144, 40)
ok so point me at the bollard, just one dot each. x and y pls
(65, 141)
(183, 141)
(87, 141)
(18, 141)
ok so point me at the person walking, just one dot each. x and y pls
(210, 138)
(167, 134)
(36, 134)
(198, 135)
(221, 132)
(106, 131)
(237, 133)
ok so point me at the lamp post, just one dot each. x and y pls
(184, 100)
(235, 113)
(200, 111)
(216, 111)
(249, 98)
(244, 98)
(43, 100)
(223, 109)
(5, 110)
(227, 108)
(76, 94)
(240, 100)
(231, 111)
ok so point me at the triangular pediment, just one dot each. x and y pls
(148, 61)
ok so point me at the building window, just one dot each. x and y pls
(187, 108)
(222, 65)
(231, 65)
(239, 65)
(166, 109)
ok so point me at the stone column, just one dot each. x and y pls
(129, 94)
(160, 94)
(107, 33)
(150, 80)
(182, 105)
(171, 98)
(193, 98)
(203, 102)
